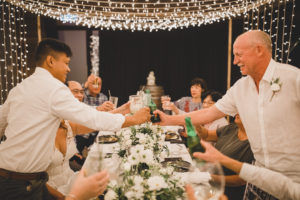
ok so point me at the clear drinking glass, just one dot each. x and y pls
(114, 100)
(136, 103)
(207, 179)
(166, 104)
(94, 160)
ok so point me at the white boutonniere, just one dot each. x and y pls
(275, 86)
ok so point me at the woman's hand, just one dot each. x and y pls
(88, 187)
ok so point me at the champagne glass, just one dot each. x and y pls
(207, 179)
(136, 103)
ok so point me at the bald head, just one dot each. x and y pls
(252, 53)
(76, 90)
(254, 37)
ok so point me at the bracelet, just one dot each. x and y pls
(72, 196)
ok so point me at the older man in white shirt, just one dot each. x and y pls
(30, 117)
(269, 90)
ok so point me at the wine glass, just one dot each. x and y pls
(207, 179)
(136, 103)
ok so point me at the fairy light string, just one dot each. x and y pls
(275, 18)
(13, 48)
(147, 15)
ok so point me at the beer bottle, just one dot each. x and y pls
(154, 117)
(193, 141)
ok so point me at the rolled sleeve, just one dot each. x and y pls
(270, 181)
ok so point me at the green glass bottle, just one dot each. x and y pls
(154, 118)
(193, 141)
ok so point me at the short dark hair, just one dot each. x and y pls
(47, 46)
(215, 96)
(199, 81)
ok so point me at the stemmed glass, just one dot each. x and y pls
(207, 179)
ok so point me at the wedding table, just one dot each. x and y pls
(143, 179)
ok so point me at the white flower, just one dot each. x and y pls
(133, 159)
(275, 87)
(110, 195)
(142, 138)
(138, 149)
(168, 170)
(137, 180)
(147, 157)
(128, 143)
(156, 183)
(130, 194)
(127, 166)
(127, 136)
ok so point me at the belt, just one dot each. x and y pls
(23, 176)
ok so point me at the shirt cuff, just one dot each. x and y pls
(247, 171)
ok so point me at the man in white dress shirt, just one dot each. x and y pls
(30, 117)
(268, 91)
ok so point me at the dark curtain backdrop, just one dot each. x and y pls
(176, 57)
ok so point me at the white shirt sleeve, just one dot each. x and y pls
(227, 104)
(66, 106)
(270, 181)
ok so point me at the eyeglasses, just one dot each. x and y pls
(76, 91)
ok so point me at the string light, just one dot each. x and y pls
(94, 45)
(13, 48)
(279, 15)
(139, 15)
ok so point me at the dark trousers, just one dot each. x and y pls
(11, 189)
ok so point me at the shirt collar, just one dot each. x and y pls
(269, 73)
(42, 71)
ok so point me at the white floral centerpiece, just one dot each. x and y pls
(141, 150)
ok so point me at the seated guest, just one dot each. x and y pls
(77, 160)
(210, 99)
(96, 99)
(188, 104)
(232, 141)
(76, 90)
(93, 95)
(59, 171)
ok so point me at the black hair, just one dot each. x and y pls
(47, 46)
(199, 81)
(202, 83)
(215, 96)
